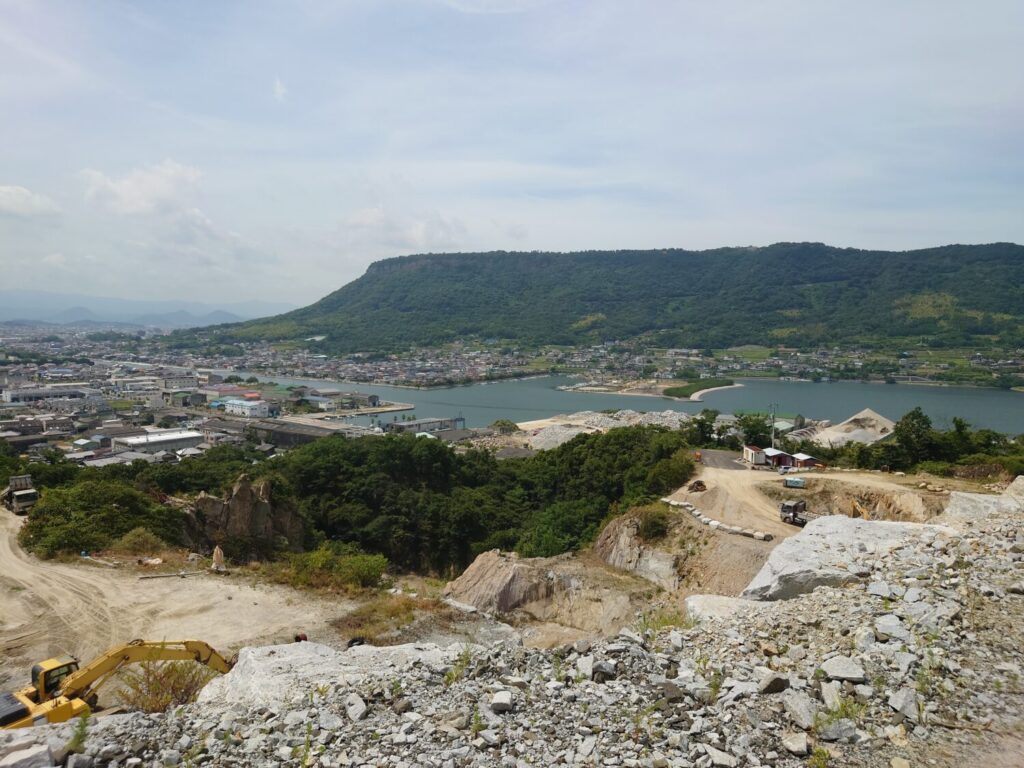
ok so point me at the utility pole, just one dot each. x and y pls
(771, 410)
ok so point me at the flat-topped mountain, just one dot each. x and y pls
(782, 294)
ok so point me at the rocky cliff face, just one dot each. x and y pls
(578, 594)
(620, 546)
(248, 514)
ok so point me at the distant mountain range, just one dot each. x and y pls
(787, 294)
(69, 308)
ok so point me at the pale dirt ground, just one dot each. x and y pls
(49, 609)
(735, 496)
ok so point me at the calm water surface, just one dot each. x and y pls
(538, 398)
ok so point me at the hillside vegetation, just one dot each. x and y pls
(417, 502)
(787, 293)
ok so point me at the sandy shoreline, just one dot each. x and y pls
(697, 397)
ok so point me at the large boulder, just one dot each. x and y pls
(966, 508)
(501, 582)
(248, 514)
(831, 551)
(279, 674)
(620, 546)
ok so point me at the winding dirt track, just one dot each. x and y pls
(54, 608)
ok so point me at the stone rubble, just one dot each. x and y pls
(853, 670)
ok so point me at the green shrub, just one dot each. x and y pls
(334, 566)
(153, 686)
(93, 514)
(938, 468)
(140, 541)
(653, 524)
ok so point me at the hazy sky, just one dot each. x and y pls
(216, 149)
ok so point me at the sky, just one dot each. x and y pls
(229, 151)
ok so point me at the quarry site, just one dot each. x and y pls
(884, 633)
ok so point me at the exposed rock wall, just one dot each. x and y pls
(501, 582)
(563, 590)
(831, 551)
(620, 546)
(248, 514)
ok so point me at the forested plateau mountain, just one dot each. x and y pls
(792, 294)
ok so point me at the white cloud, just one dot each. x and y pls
(21, 202)
(280, 90)
(381, 229)
(159, 188)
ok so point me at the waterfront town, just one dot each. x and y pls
(611, 364)
(105, 396)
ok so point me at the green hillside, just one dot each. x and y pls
(787, 293)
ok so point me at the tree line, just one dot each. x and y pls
(417, 502)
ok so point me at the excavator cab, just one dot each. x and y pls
(48, 675)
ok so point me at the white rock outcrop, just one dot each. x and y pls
(827, 552)
(620, 546)
(285, 673)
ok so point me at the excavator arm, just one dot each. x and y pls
(75, 694)
(82, 683)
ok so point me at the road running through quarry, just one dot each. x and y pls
(51, 608)
(737, 498)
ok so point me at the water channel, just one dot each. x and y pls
(538, 398)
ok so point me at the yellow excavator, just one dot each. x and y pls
(61, 690)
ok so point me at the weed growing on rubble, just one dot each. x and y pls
(847, 709)
(819, 758)
(154, 686)
(458, 670)
(716, 684)
(78, 737)
(663, 618)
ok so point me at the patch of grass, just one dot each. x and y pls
(154, 686)
(716, 684)
(477, 723)
(653, 524)
(847, 709)
(819, 758)
(663, 618)
(333, 566)
(381, 615)
(686, 390)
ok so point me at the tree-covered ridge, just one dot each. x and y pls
(418, 502)
(787, 293)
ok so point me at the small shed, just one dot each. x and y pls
(778, 458)
(805, 460)
(753, 455)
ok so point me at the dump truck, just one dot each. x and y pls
(793, 512)
(61, 690)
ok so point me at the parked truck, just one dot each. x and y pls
(793, 512)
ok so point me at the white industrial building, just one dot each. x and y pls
(158, 440)
(252, 409)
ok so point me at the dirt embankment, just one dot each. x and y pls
(826, 496)
(688, 559)
(555, 599)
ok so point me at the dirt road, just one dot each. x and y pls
(54, 608)
(736, 498)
